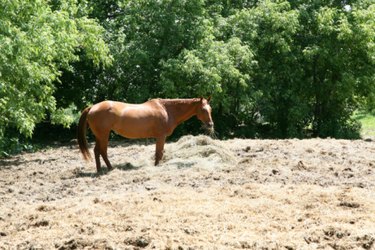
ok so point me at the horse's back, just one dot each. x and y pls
(141, 120)
(129, 120)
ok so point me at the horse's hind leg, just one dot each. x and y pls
(105, 158)
(97, 156)
(103, 146)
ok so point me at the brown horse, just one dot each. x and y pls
(156, 118)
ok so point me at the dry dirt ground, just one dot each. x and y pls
(206, 194)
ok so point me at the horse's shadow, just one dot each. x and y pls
(104, 171)
(127, 167)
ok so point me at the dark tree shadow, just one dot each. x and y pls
(16, 161)
(8, 163)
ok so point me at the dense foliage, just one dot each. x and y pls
(38, 39)
(274, 68)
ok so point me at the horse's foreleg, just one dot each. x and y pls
(159, 149)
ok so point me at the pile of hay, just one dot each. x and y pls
(200, 151)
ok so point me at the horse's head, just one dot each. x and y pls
(204, 114)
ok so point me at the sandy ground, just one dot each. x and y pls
(206, 194)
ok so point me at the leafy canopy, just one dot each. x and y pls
(38, 40)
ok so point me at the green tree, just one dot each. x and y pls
(142, 34)
(338, 60)
(287, 66)
(217, 68)
(269, 29)
(315, 62)
(37, 40)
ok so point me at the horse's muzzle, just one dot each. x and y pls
(209, 126)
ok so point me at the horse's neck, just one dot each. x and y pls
(181, 110)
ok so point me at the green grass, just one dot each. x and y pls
(367, 121)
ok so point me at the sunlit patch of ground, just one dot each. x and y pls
(206, 194)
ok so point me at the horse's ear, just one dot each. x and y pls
(209, 99)
(200, 99)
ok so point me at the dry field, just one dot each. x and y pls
(206, 194)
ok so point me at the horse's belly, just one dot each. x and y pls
(136, 128)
